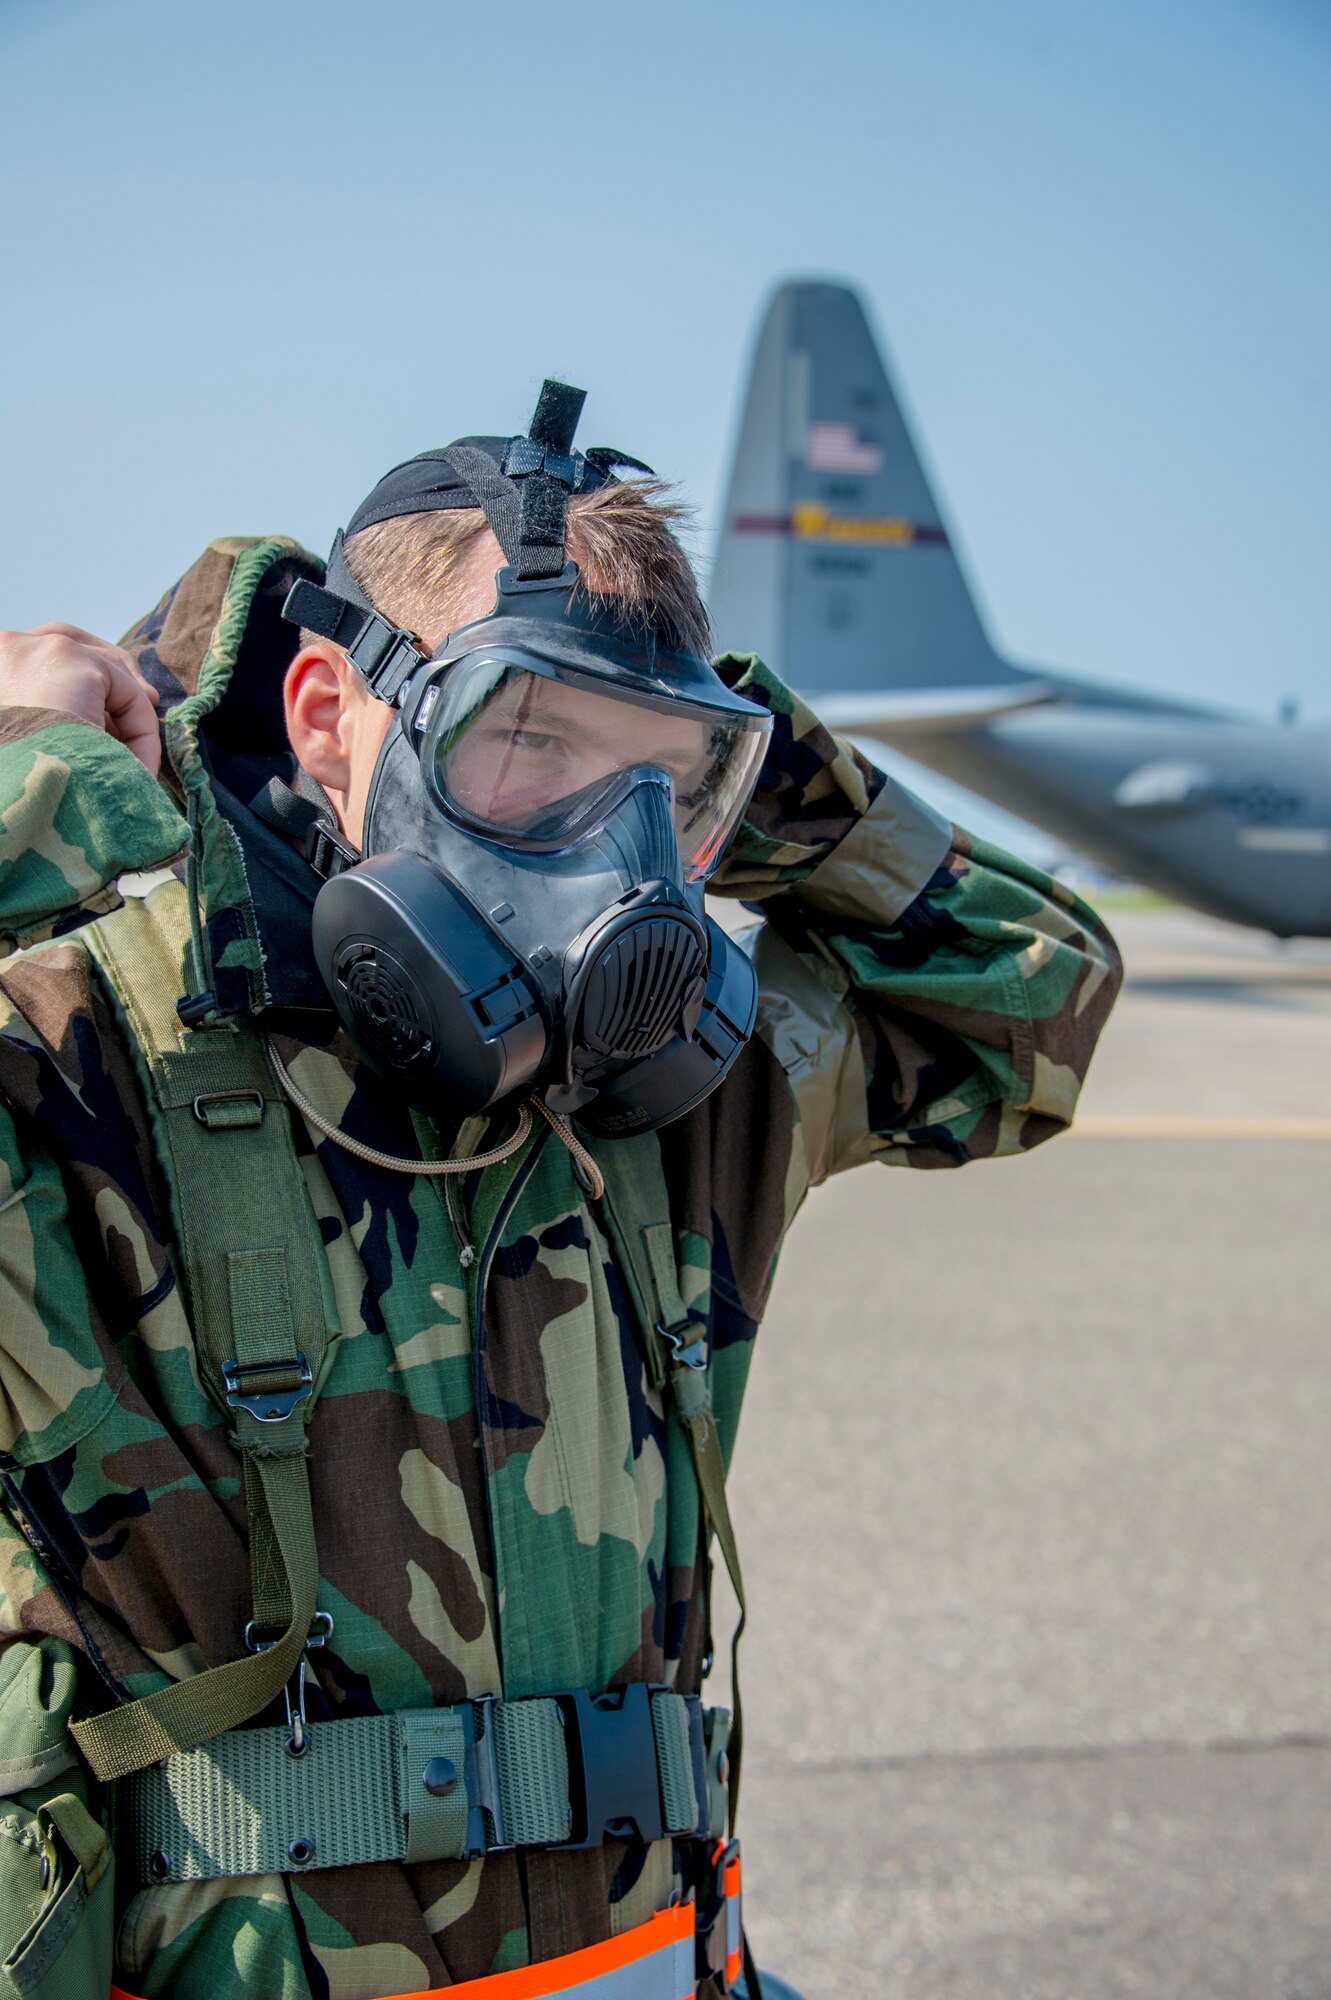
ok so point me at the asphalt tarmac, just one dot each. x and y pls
(1034, 1499)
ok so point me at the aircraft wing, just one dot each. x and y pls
(895, 712)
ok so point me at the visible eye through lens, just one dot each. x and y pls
(531, 754)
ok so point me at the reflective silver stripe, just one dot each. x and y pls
(665, 1974)
(656, 1963)
(732, 1926)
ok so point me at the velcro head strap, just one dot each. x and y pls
(545, 493)
(522, 486)
(490, 489)
(338, 575)
(555, 417)
(385, 655)
(525, 493)
(541, 527)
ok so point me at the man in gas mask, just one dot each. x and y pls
(398, 1157)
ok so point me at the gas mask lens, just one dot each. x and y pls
(537, 754)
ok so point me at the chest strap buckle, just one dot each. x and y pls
(269, 1390)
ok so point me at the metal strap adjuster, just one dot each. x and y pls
(265, 1388)
(320, 1632)
(481, 1774)
(687, 1341)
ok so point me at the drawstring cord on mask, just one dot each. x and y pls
(584, 1166)
(391, 1160)
(589, 1174)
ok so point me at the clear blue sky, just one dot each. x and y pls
(257, 253)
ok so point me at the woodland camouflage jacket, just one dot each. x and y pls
(925, 1001)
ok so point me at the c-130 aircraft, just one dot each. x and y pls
(835, 565)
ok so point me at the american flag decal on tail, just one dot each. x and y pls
(840, 448)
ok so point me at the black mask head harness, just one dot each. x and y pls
(554, 789)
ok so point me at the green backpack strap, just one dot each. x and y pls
(636, 1211)
(247, 1245)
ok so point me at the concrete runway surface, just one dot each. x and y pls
(1034, 1497)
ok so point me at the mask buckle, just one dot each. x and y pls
(384, 655)
(328, 851)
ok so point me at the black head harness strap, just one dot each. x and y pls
(385, 655)
(545, 490)
(522, 485)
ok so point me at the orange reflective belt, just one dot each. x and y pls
(734, 1924)
(652, 1962)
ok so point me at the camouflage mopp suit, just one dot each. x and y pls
(499, 1501)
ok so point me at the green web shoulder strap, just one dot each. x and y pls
(247, 1246)
(636, 1210)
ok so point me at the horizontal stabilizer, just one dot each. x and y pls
(894, 714)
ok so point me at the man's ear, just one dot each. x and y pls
(336, 728)
(319, 725)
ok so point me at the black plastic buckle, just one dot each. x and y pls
(613, 1786)
(481, 1775)
(384, 655)
(712, 1937)
(328, 851)
(523, 455)
(267, 1405)
(193, 1009)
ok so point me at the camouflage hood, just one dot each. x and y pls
(216, 649)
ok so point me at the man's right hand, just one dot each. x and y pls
(64, 667)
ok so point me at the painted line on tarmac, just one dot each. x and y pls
(1301, 1741)
(1202, 1128)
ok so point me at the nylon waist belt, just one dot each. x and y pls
(566, 1770)
(654, 1961)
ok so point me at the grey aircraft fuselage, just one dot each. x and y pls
(835, 565)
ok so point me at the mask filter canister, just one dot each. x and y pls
(423, 985)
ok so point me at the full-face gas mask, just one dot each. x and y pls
(552, 794)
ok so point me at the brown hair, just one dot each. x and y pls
(624, 538)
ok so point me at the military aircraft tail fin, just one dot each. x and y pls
(834, 562)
